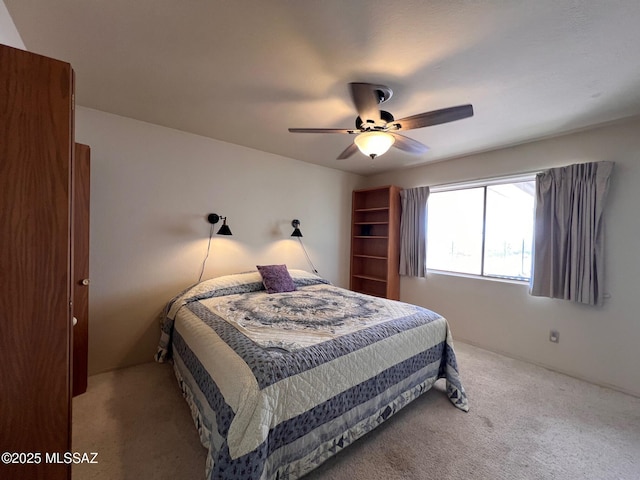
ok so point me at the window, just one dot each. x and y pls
(482, 229)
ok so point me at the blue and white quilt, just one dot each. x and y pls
(278, 383)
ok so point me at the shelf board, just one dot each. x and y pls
(375, 257)
(375, 209)
(370, 292)
(369, 277)
(371, 223)
(369, 236)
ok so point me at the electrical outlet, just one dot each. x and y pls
(554, 336)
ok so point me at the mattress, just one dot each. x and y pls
(278, 383)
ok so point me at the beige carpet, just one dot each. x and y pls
(525, 422)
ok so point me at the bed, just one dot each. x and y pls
(277, 383)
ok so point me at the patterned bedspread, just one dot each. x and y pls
(305, 317)
(279, 383)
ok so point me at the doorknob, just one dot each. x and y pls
(85, 281)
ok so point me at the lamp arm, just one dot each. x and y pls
(313, 268)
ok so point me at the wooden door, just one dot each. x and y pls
(36, 138)
(81, 184)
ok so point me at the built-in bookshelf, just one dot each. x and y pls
(375, 241)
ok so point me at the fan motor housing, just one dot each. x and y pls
(385, 116)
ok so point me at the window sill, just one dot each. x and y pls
(478, 277)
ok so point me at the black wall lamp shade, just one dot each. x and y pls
(296, 231)
(214, 218)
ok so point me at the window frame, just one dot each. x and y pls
(483, 183)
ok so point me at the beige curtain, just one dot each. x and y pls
(413, 232)
(568, 258)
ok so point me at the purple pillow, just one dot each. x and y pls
(276, 278)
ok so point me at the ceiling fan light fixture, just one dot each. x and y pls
(374, 144)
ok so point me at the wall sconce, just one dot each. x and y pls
(295, 223)
(296, 230)
(214, 218)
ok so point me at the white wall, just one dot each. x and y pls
(8, 33)
(597, 344)
(151, 189)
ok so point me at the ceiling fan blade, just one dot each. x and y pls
(366, 100)
(350, 150)
(409, 144)
(435, 117)
(320, 130)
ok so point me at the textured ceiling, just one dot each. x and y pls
(245, 71)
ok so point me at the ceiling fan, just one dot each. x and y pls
(376, 129)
